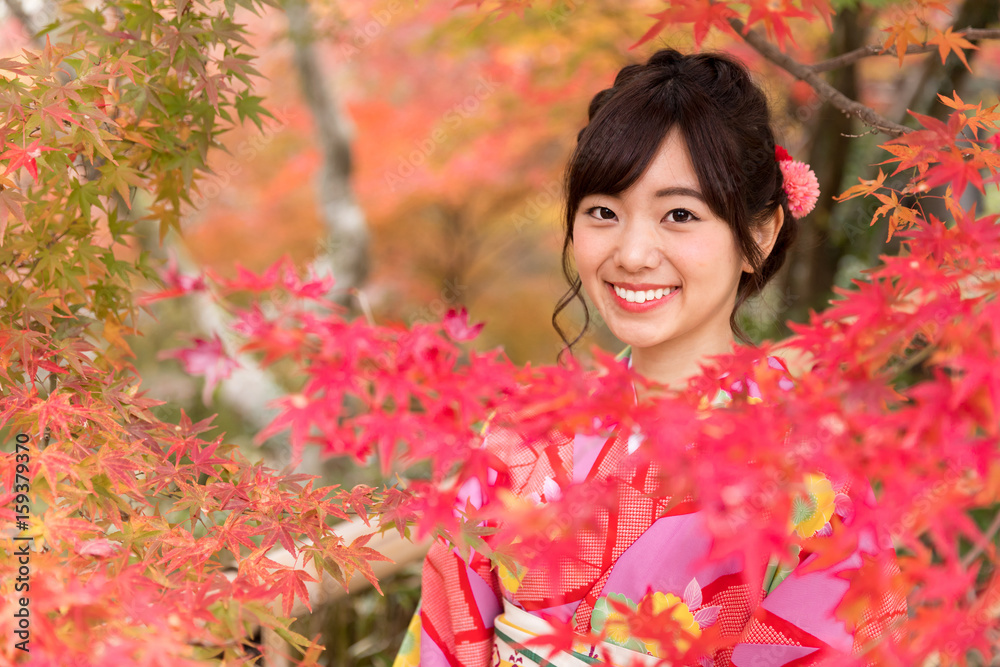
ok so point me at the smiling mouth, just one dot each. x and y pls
(643, 296)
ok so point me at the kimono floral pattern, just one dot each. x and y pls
(812, 513)
(511, 581)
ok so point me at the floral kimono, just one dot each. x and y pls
(475, 614)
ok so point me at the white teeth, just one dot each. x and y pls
(641, 297)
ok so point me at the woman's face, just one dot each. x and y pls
(661, 269)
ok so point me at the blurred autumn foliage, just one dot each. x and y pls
(461, 128)
(152, 544)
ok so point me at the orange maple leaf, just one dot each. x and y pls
(984, 119)
(900, 36)
(948, 41)
(955, 103)
(865, 187)
(900, 215)
(113, 331)
(980, 119)
(905, 155)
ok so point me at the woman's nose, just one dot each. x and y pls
(637, 247)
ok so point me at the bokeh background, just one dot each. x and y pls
(417, 151)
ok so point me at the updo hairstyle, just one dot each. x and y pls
(726, 123)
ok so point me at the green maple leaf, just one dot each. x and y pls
(248, 106)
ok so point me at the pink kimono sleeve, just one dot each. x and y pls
(453, 627)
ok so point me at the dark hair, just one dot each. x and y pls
(724, 118)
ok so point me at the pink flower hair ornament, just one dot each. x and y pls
(801, 184)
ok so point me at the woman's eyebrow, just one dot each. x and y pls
(673, 191)
(679, 191)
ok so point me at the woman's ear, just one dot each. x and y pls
(765, 235)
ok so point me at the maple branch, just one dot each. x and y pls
(988, 536)
(971, 34)
(922, 355)
(866, 115)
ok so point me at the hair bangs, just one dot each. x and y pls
(618, 146)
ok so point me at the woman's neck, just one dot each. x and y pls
(674, 366)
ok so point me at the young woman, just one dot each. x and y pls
(677, 212)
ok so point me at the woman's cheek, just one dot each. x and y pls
(586, 264)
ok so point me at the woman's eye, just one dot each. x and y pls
(600, 215)
(681, 215)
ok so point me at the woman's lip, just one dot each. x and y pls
(640, 307)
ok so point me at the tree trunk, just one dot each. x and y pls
(813, 261)
(345, 251)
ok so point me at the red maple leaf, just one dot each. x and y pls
(203, 461)
(99, 547)
(274, 531)
(958, 168)
(234, 533)
(24, 157)
(58, 111)
(395, 509)
(248, 280)
(291, 582)
(119, 467)
(356, 556)
(359, 500)
(702, 15)
(822, 8)
(433, 508)
(300, 414)
(177, 283)
(921, 148)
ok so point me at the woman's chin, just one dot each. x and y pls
(639, 339)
